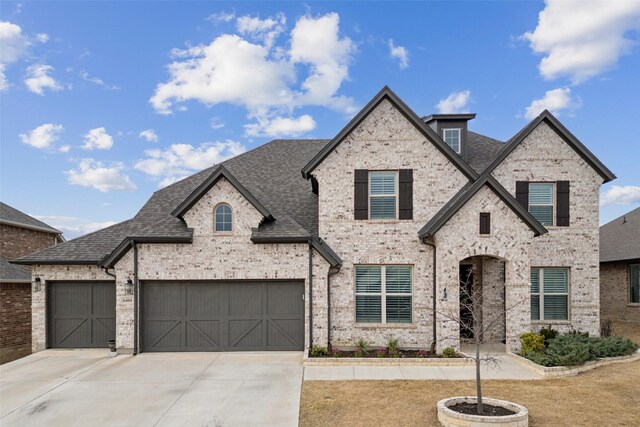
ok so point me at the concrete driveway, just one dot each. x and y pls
(94, 388)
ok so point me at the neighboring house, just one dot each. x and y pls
(620, 268)
(20, 235)
(302, 242)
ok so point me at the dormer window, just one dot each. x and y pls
(223, 218)
(452, 138)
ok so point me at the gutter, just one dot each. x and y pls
(434, 295)
(310, 295)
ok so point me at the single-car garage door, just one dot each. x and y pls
(81, 314)
(231, 316)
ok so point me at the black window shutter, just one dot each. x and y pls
(522, 193)
(405, 180)
(562, 204)
(361, 194)
(485, 223)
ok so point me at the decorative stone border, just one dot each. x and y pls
(372, 361)
(565, 371)
(450, 418)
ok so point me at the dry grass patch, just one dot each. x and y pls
(607, 396)
(629, 330)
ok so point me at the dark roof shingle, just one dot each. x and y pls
(620, 238)
(13, 273)
(13, 216)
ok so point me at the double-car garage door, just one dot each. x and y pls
(183, 316)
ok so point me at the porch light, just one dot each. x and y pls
(128, 287)
(37, 284)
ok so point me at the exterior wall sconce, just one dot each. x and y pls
(37, 284)
(128, 287)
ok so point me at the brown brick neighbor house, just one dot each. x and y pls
(324, 242)
(20, 235)
(620, 268)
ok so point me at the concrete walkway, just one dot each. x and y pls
(507, 369)
(94, 388)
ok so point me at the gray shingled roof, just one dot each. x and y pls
(13, 273)
(12, 216)
(620, 238)
(482, 150)
(270, 172)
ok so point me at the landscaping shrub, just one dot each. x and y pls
(392, 347)
(577, 348)
(449, 352)
(362, 348)
(530, 343)
(548, 334)
(317, 351)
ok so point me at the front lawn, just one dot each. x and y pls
(606, 396)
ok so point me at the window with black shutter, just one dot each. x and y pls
(562, 204)
(406, 194)
(485, 223)
(361, 194)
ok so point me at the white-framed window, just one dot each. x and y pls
(549, 293)
(541, 206)
(634, 284)
(383, 195)
(223, 218)
(452, 138)
(383, 293)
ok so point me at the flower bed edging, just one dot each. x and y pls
(566, 371)
(372, 361)
(450, 418)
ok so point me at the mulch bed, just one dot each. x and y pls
(489, 410)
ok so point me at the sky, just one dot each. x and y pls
(103, 103)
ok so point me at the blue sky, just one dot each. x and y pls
(103, 103)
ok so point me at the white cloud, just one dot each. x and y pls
(281, 126)
(400, 53)
(3, 79)
(221, 17)
(184, 159)
(216, 123)
(170, 180)
(260, 76)
(96, 80)
(617, 195)
(149, 135)
(43, 136)
(316, 42)
(581, 39)
(263, 30)
(97, 138)
(42, 37)
(94, 174)
(456, 102)
(38, 79)
(13, 42)
(64, 148)
(555, 100)
(72, 226)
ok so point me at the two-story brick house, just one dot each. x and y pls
(20, 234)
(302, 242)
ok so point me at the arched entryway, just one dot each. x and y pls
(482, 301)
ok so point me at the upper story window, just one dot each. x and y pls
(223, 218)
(541, 202)
(634, 284)
(383, 194)
(452, 138)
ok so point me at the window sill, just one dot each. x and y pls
(633, 304)
(386, 325)
(551, 322)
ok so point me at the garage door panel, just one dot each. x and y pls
(81, 314)
(214, 316)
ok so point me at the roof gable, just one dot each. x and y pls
(412, 117)
(208, 183)
(465, 194)
(566, 136)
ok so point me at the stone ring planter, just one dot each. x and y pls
(450, 418)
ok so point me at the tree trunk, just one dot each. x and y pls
(477, 322)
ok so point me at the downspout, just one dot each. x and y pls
(106, 271)
(310, 296)
(332, 271)
(434, 332)
(135, 297)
